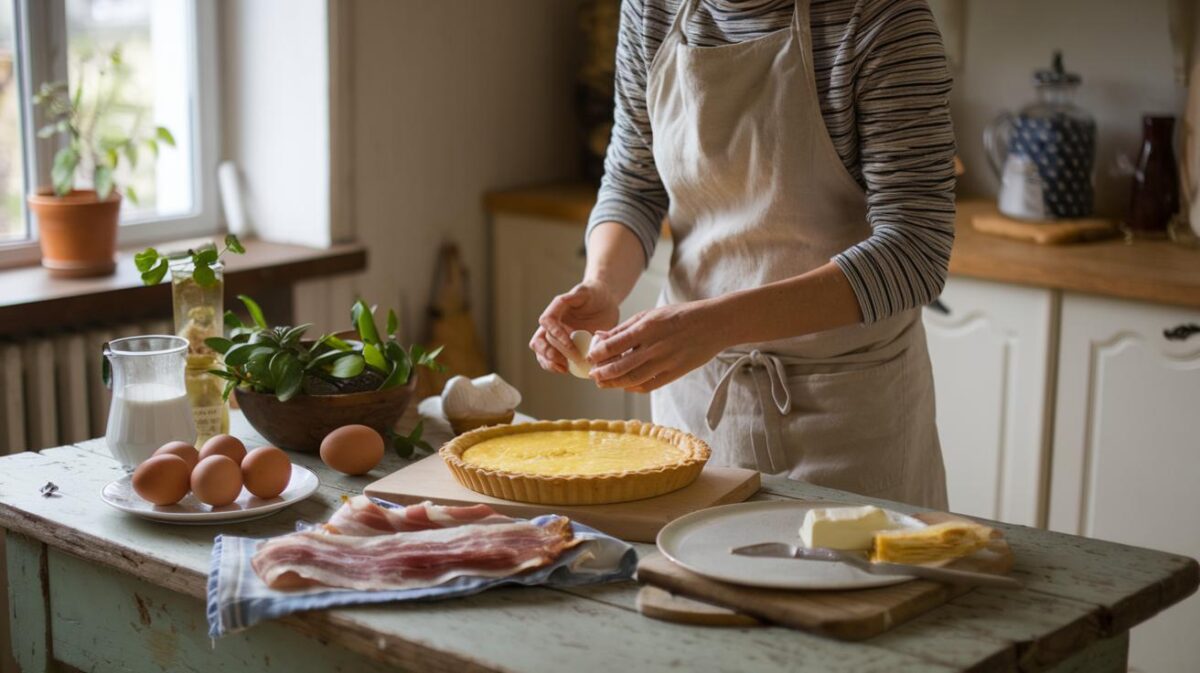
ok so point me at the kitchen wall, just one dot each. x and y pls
(1121, 49)
(450, 100)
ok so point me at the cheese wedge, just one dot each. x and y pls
(843, 527)
(940, 542)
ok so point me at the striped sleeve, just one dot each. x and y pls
(631, 192)
(906, 155)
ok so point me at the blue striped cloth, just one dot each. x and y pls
(238, 599)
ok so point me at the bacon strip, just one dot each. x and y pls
(360, 516)
(410, 560)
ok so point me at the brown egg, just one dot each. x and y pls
(162, 480)
(182, 449)
(352, 449)
(217, 480)
(266, 471)
(224, 445)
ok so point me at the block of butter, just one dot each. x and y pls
(843, 527)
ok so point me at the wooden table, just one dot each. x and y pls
(95, 589)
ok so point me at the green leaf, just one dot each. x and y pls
(164, 136)
(347, 366)
(154, 275)
(152, 145)
(407, 445)
(229, 386)
(222, 374)
(62, 173)
(240, 354)
(232, 321)
(374, 357)
(132, 195)
(364, 322)
(401, 366)
(204, 275)
(103, 181)
(325, 359)
(145, 259)
(258, 367)
(131, 151)
(290, 378)
(334, 342)
(392, 322)
(205, 256)
(292, 336)
(255, 312)
(219, 344)
(233, 244)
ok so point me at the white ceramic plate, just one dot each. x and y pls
(701, 542)
(190, 510)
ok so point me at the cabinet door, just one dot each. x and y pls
(533, 260)
(1127, 447)
(990, 344)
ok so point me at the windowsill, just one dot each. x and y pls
(31, 300)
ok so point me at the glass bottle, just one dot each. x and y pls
(1155, 197)
(199, 314)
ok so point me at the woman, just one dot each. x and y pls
(804, 159)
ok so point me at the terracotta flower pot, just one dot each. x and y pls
(77, 232)
(303, 421)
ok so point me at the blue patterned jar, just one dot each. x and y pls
(1045, 153)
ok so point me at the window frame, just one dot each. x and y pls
(42, 49)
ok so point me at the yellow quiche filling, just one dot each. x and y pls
(572, 452)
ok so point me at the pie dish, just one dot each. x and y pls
(575, 462)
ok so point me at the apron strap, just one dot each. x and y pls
(771, 392)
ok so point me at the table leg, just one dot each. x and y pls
(1110, 655)
(29, 603)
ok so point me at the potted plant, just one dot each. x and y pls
(77, 228)
(296, 391)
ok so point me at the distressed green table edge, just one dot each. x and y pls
(1099, 623)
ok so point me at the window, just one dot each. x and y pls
(168, 51)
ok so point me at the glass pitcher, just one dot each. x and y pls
(149, 403)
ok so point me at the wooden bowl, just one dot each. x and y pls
(303, 421)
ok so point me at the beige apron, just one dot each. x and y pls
(759, 194)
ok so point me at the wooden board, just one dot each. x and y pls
(1056, 232)
(661, 604)
(846, 615)
(637, 521)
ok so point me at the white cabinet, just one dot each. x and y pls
(1127, 447)
(991, 345)
(533, 260)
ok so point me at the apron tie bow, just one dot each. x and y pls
(772, 392)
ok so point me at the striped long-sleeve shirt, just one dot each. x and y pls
(883, 84)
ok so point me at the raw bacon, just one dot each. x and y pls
(410, 560)
(360, 516)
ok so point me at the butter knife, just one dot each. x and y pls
(859, 561)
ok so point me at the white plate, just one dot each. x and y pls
(701, 542)
(190, 510)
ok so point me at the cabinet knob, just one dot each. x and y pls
(939, 306)
(1181, 332)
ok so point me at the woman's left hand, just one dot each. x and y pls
(655, 347)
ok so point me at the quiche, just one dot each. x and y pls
(575, 462)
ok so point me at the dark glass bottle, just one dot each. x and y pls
(1156, 180)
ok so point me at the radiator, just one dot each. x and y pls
(50, 388)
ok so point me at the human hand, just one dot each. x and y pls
(587, 306)
(655, 347)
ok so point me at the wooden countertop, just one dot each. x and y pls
(1154, 271)
(32, 300)
(1079, 594)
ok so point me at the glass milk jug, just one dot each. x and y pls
(149, 403)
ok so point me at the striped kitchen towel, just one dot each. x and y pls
(238, 599)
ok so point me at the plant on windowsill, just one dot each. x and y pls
(77, 228)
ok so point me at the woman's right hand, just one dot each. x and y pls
(588, 306)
